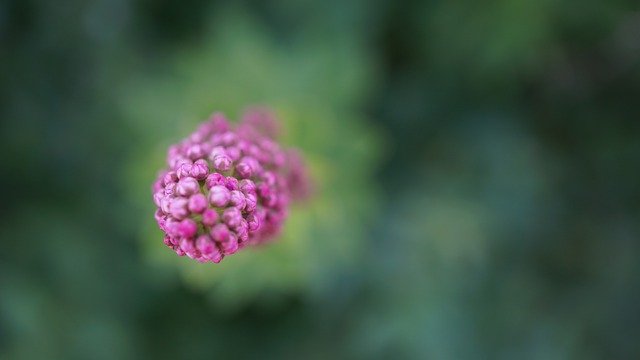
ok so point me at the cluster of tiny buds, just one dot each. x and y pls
(227, 187)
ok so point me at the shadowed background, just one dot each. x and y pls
(477, 169)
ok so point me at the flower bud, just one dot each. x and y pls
(214, 179)
(195, 151)
(187, 228)
(183, 170)
(242, 230)
(253, 222)
(232, 216)
(228, 138)
(197, 203)
(178, 208)
(157, 197)
(247, 186)
(170, 189)
(269, 178)
(222, 162)
(219, 196)
(200, 169)
(206, 246)
(188, 247)
(230, 212)
(237, 199)
(170, 177)
(251, 201)
(234, 153)
(220, 233)
(231, 183)
(209, 217)
(165, 202)
(230, 246)
(253, 163)
(187, 186)
(244, 170)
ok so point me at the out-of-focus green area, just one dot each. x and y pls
(477, 169)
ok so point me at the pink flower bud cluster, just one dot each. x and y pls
(227, 187)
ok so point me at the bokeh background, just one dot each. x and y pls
(477, 168)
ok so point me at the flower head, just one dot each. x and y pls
(227, 187)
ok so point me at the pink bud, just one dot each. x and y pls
(183, 170)
(209, 217)
(165, 203)
(219, 196)
(232, 216)
(198, 136)
(157, 196)
(244, 170)
(231, 183)
(251, 201)
(231, 245)
(161, 219)
(220, 233)
(214, 179)
(217, 257)
(237, 199)
(187, 186)
(215, 151)
(187, 228)
(195, 151)
(253, 222)
(207, 247)
(188, 247)
(175, 162)
(261, 214)
(253, 163)
(267, 194)
(269, 178)
(222, 162)
(247, 186)
(228, 138)
(171, 227)
(170, 177)
(200, 169)
(197, 203)
(206, 147)
(243, 231)
(178, 208)
(170, 189)
(234, 153)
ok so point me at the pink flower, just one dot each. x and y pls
(227, 187)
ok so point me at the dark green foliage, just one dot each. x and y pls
(478, 166)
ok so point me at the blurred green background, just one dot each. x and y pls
(477, 168)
